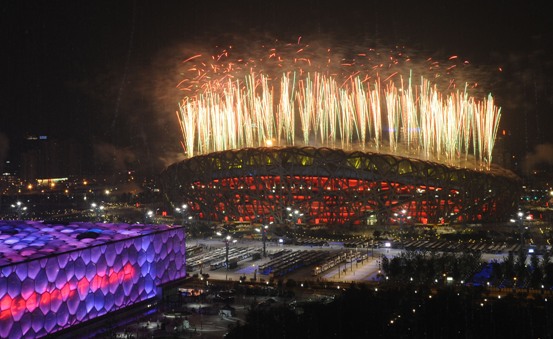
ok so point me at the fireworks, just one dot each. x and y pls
(301, 96)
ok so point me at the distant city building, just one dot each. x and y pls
(49, 158)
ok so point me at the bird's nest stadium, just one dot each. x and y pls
(336, 187)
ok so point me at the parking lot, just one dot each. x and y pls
(298, 262)
(333, 262)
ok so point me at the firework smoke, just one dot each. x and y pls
(120, 158)
(542, 154)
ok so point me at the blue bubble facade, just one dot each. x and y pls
(53, 277)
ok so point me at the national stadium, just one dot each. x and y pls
(347, 145)
(332, 186)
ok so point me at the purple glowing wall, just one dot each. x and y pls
(44, 295)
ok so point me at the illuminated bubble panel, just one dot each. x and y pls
(55, 276)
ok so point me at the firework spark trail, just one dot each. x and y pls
(392, 103)
(268, 116)
(305, 106)
(409, 109)
(187, 124)
(450, 120)
(286, 106)
(467, 125)
(426, 118)
(362, 110)
(237, 106)
(322, 112)
(493, 116)
(460, 109)
(330, 98)
(437, 122)
(348, 117)
(376, 128)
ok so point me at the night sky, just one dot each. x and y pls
(102, 73)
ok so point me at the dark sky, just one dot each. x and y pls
(101, 72)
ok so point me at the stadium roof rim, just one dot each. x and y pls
(494, 170)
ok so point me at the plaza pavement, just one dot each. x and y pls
(366, 270)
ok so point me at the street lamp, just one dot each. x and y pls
(263, 231)
(297, 216)
(520, 222)
(148, 215)
(19, 208)
(294, 216)
(228, 239)
(401, 217)
(184, 211)
(96, 209)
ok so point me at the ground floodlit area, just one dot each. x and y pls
(53, 277)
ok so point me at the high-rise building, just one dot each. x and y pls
(50, 158)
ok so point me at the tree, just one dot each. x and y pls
(536, 275)
(548, 272)
(520, 265)
(546, 259)
(509, 265)
(385, 262)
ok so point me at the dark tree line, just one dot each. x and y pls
(403, 312)
(416, 302)
(422, 267)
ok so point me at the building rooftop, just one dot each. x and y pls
(30, 240)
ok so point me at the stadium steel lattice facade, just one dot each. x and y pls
(333, 187)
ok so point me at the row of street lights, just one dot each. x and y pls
(294, 215)
(520, 222)
(402, 216)
(97, 209)
(183, 210)
(227, 238)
